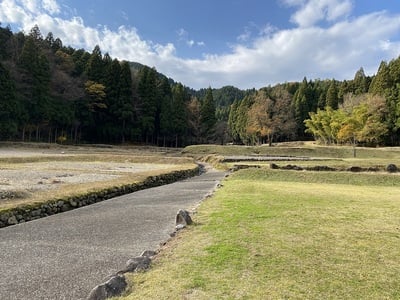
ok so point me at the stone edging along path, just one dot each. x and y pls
(32, 212)
(116, 283)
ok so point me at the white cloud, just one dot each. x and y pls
(51, 6)
(245, 36)
(252, 29)
(36, 6)
(124, 15)
(10, 12)
(336, 50)
(183, 36)
(286, 55)
(267, 30)
(313, 11)
(31, 5)
(182, 33)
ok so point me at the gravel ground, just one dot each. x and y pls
(22, 179)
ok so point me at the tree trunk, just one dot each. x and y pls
(23, 134)
(37, 133)
(49, 136)
(123, 132)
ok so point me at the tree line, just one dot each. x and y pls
(364, 110)
(53, 93)
(369, 116)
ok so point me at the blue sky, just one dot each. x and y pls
(245, 43)
(195, 27)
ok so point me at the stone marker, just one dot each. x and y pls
(149, 253)
(183, 218)
(137, 264)
(113, 287)
(392, 168)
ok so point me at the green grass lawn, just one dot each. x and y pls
(308, 149)
(273, 234)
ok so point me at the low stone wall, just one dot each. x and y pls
(391, 168)
(28, 213)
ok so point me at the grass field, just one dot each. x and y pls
(309, 149)
(275, 234)
(266, 234)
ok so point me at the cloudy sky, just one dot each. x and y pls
(245, 43)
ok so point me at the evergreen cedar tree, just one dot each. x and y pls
(53, 93)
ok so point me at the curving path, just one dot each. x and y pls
(64, 256)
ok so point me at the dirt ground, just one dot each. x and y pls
(21, 179)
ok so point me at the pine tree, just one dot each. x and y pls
(179, 111)
(29, 55)
(166, 113)
(242, 120)
(332, 99)
(36, 35)
(360, 82)
(147, 92)
(110, 126)
(5, 37)
(95, 66)
(193, 110)
(232, 121)
(111, 80)
(81, 59)
(392, 97)
(303, 104)
(381, 81)
(49, 40)
(36, 75)
(42, 88)
(9, 116)
(126, 113)
(208, 118)
(394, 71)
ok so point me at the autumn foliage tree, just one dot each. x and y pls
(260, 123)
(193, 109)
(361, 121)
(268, 116)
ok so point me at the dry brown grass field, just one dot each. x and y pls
(31, 173)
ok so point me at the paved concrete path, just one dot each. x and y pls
(64, 256)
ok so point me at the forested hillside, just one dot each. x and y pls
(53, 93)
